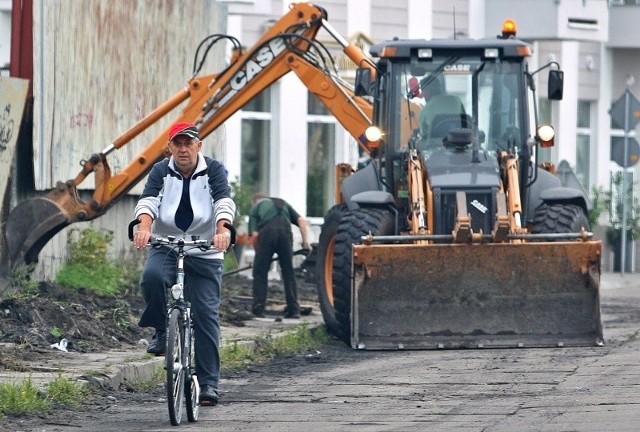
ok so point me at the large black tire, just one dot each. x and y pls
(324, 267)
(359, 223)
(559, 218)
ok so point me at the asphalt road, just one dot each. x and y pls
(340, 389)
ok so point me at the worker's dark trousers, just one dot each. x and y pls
(274, 237)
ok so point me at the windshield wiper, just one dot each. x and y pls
(424, 83)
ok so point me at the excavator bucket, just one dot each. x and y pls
(30, 225)
(472, 296)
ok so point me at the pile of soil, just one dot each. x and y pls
(93, 323)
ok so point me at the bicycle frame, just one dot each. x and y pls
(181, 331)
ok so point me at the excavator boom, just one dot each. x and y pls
(289, 45)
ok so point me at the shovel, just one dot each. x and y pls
(248, 266)
(304, 310)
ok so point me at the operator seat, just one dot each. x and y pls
(441, 114)
(443, 123)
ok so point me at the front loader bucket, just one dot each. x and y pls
(473, 296)
(30, 225)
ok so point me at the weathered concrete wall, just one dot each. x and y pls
(99, 67)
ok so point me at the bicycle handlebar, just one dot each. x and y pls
(203, 244)
(173, 241)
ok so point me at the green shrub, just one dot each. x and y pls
(103, 279)
(65, 392)
(614, 200)
(302, 339)
(235, 356)
(266, 347)
(242, 195)
(229, 262)
(22, 398)
(598, 199)
(88, 266)
(146, 385)
(25, 398)
(20, 277)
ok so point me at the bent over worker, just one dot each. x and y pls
(270, 222)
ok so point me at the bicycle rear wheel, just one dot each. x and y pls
(174, 366)
(191, 385)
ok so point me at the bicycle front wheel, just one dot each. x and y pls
(174, 366)
(191, 385)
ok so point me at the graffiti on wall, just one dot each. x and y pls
(7, 125)
(13, 97)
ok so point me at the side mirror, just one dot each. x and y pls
(362, 82)
(555, 84)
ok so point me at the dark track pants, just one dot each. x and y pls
(203, 279)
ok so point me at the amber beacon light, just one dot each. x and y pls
(508, 28)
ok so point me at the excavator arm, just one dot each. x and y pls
(289, 45)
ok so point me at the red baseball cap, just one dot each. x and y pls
(183, 128)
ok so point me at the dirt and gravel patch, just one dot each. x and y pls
(29, 326)
(92, 323)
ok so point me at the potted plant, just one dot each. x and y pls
(613, 200)
(243, 196)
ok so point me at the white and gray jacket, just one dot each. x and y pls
(210, 196)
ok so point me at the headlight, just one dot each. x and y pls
(545, 135)
(176, 291)
(373, 134)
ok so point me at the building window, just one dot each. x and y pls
(321, 143)
(315, 106)
(260, 103)
(583, 143)
(256, 143)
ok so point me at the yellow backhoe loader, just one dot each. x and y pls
(454, 234)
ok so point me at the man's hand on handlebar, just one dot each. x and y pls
(141, 238)
(143, 233)
(222, 240)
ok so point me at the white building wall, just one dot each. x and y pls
(420, 19)
(589, 70)
(450, 18)
(477, 18)
(568, 111)
(601, 165)
(5, 35)
(339, 11)
(232, 128)
(358, 21)
(289, 142)
(359, 17)
(389, 19)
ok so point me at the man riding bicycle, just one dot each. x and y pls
(186, 195)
